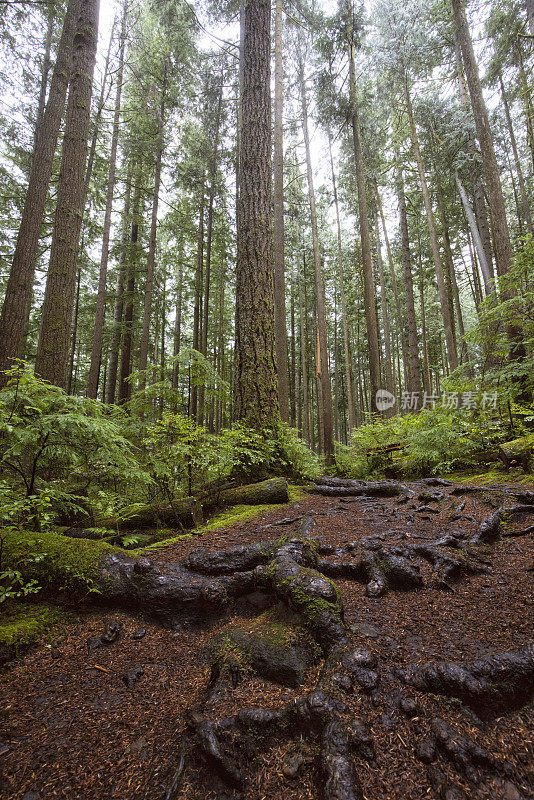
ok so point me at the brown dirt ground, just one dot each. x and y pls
(73, 730)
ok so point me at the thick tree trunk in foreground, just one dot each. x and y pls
(19, 287)
(96, 352)
(278, 220)
(255, 383)
(54, 338)
(323, 373)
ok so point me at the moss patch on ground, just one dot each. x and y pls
(55, 561)
(491, 476)
(25, 624)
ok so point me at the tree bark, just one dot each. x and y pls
(96, 351)
(278, 220)
(255, 381)
(16, 305)
(323, 372)
(54, 338)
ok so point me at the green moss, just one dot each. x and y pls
(23, 624)
(489, 477)
(310, 607)
(226, 651)
(54, 561)
(164, 541)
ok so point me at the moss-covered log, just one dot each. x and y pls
(335, 487)
(274, 490)
(181, 514)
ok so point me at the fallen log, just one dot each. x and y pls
(340, 488)
(186, 513)
(272, 491)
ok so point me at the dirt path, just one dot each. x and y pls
(71, 728)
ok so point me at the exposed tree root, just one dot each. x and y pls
(304, 626)
(340, 737)
(489, 684)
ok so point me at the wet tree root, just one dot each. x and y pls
(489, 684)
(317, 715)
(297, 576)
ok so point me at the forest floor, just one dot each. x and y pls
(70, 727)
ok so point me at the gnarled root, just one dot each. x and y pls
(340, 736)
(490, 684)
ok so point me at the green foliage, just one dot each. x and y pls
(47, 435)
(435, 441)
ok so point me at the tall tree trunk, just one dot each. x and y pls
(367, 257)
(16, 305)
(388, 374)
(278, 220)
(151, 259)
(304, 355)
(177, 326)
(209, 241)
(479, 193)
(41, 103)
(413, 372)
(530, 14)
(501, 235)
(391, 264)
(255, 381)
(344, 317)
(475, 233)
(54, 338)
(98, 114)
(293, 381)
(125, 388)
(323, 373)
(440, 277)
(70, 383)
(96, 351)
(197, 310)
(111, 384)
(452, 288)
(525, 205)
